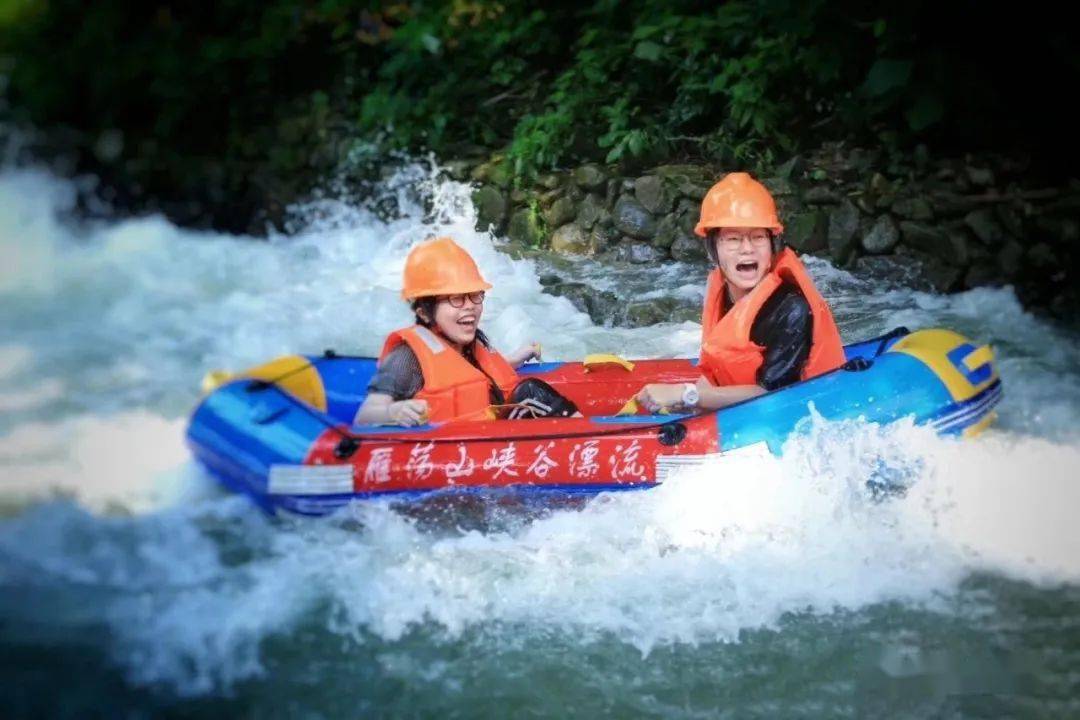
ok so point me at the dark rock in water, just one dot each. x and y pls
(1068, 205)
(601, 306)
(601, 237)
(549, 181)
(932, 240)
(885, 201)
(589, 177)
(688, 248)
(561, 211)
(778, 186)
(984, 273)
(792, 169)
(611, 193)
(921, 157)
(633, 219)
(457, 169)
(942, 278)
(1065, 304)
(491, 208)
(494, 172)
(691, 181)
(985, 225)
(935, 276)
(961, 244)
(386, 208)
(1058, 229)
(608, 232)
(666, 231)
(982, 177)
(1041, 257)
(1010, 220)
(889, 270)
(788, 205)
(571, 239)
(882, 237)
(525, 228)
(642, 313)
(654, 194)
(807, 232)
(547, 198)
(694, 173)
(688, 213)
(693, 191)
(913, 209)
(821, 195)
(948, 203)
(911, 269)
(843, 229)
(592, 211)
(878, 185)
(637, 252)
(1009, 258)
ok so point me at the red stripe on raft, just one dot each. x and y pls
(511, 452)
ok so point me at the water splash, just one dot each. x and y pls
(109, 325)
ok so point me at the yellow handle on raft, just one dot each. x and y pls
(599, 361)
(631, 408)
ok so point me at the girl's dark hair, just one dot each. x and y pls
(428, 304)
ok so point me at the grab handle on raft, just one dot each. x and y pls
(600, 361)
(631, 408)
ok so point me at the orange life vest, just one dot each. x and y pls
(453, 387)
(730, 357)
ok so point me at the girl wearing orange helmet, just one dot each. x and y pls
(443, 367)
(764, 325)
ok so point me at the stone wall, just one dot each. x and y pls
(957, 222)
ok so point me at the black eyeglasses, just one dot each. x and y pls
(732, 243)
(458, 301)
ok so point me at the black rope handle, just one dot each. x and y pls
(894, 333)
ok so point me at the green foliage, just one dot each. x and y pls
(740, 82)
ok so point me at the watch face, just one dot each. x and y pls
(690, 395)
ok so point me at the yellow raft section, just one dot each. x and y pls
(963, 372)
(292, 373)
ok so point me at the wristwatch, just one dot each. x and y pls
(690, 395)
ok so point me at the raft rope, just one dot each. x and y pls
(891, 335)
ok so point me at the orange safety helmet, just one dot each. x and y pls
(738, 201)
(440, 267)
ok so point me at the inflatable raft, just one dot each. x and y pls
(282, 434)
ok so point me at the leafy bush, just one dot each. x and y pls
(739, 82)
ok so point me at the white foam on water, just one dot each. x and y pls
(109, 326)
(133, 462)
(732, 546)
(135, 311)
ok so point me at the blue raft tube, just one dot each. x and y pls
(282, 433)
